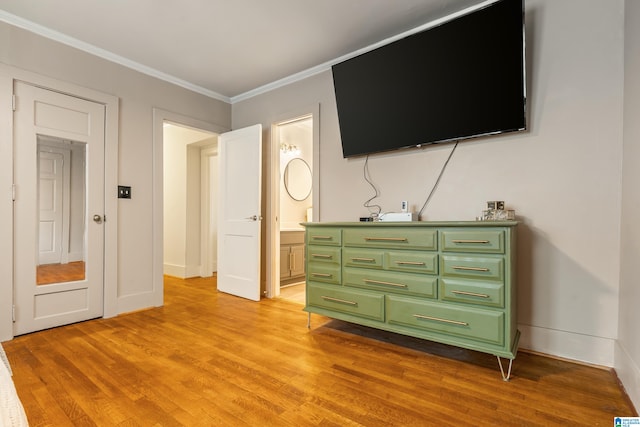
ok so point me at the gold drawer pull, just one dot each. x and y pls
(321, 275)
(459, 267)
(363, 259)
(322, 256)
(471, 241)
(379, 282)
(386, 239)
(321, 237)
(470, 294)
(341, 301)
(437, 319)
(409, 263)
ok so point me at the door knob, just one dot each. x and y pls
(97, 219)
(254, 218)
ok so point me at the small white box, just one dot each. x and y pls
(398, 217)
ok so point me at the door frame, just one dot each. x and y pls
(159, 117)
(272, 252)
(8, 75)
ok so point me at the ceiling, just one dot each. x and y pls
(226, 49)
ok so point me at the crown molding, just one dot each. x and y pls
(25, 24)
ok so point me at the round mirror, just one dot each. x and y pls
(297, 179)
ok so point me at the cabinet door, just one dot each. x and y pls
(296, 266)
(285, 268)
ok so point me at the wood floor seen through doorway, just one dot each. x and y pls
(211, 359)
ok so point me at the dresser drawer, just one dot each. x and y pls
(485, 268)
(358, 257)
(478, 241)
(405, 283)
(410, 261)
(325, 273)
(489, 294)
(323, 254)
(324, 236)
(391, 237)
(356, 302)
(469, 323)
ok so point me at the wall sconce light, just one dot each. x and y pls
(289, 149)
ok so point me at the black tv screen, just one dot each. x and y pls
(461, 79)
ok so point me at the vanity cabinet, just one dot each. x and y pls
(450, 282)
(292, 256)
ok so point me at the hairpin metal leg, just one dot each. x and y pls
(309, 320)
(505, 377)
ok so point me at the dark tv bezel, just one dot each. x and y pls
(444, 21)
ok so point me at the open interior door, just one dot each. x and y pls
(239, 212)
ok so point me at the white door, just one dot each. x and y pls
(239, 212)
(50, 194)
(43, 115)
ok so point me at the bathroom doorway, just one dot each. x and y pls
(293, 192)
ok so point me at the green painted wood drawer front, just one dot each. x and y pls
(355, 302)
(490, 294)
(405, 283)
(324, 236)
(363, 258)
(326, 273)
(411, 261)
(476, 324)
(480, 241)
(473, 267)
(391, 237)
(323, 254)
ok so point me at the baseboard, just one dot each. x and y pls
(568, 345)
(629, 374)
(181, 271)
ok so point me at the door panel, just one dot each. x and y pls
(240, 218)
(50, 122)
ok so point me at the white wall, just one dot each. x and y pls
(562, 176)
(138, 95)
(627, 357)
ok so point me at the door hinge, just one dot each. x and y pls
(13, 192)
(13, 102)
(13, 313)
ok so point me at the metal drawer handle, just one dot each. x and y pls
(437, 319)
(322, 256)
(363, 259)
(471, 241)
(322, 237)
(321, 275)
(378, 282)
(470, 294)
(409, 263)
(341, 301)
(386, 239)
(459, 267)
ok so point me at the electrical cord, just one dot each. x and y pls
(367, 178)
(433, 189)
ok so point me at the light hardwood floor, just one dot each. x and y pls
(210, 359)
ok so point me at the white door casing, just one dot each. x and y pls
(41, 112)
(239, 212)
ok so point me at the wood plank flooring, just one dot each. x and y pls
(210, 359)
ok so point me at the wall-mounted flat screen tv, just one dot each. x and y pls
(461, 79)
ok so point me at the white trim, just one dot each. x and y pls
(8, 75)
(628, 372)
(568, 345)
(105, 54)
(208, 265)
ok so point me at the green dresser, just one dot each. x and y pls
(450, 282)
